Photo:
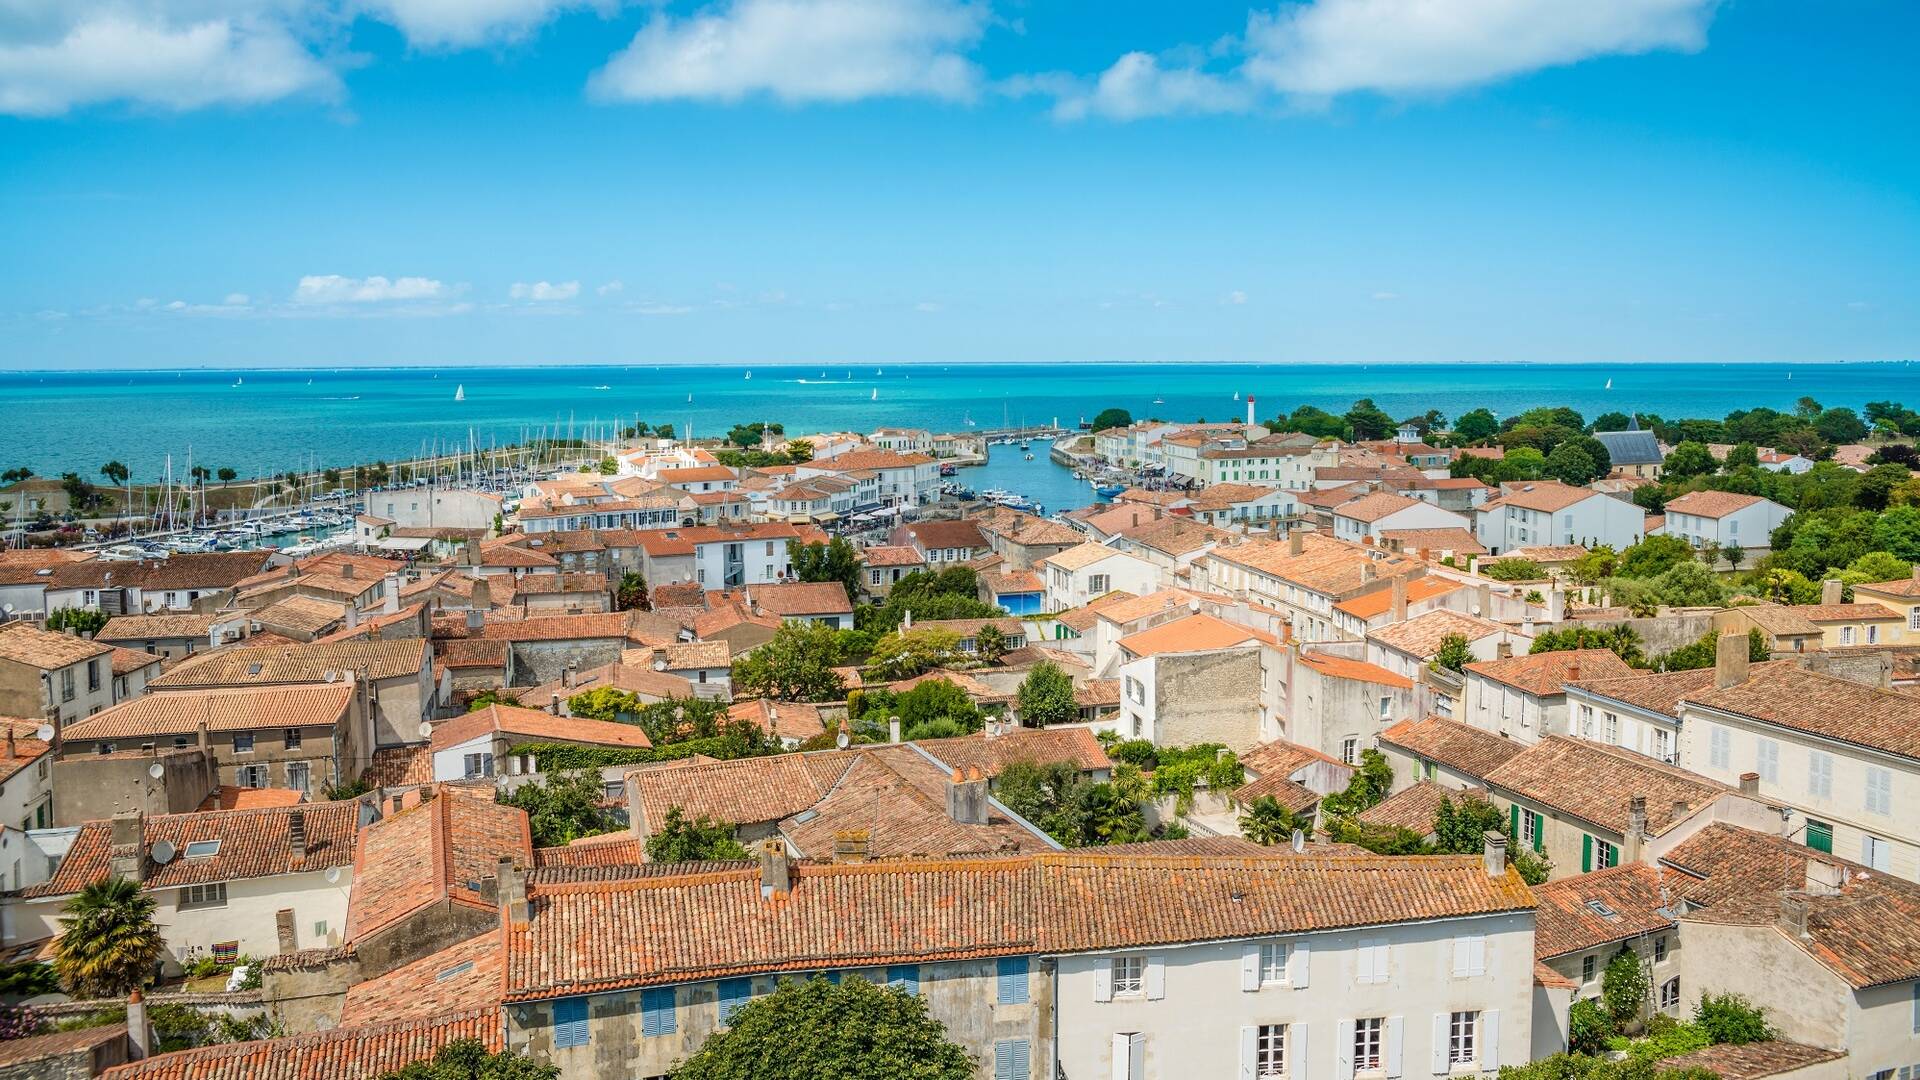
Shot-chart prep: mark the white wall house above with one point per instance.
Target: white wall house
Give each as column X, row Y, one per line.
column 1541, row 513
column 435, row 508
column 1363, row 519
column 1080, row 574
column 1837, row 757
column 1725, row 519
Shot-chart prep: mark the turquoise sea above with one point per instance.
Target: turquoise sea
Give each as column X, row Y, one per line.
column 265, row 421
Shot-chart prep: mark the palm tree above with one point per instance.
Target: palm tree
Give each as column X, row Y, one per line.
column 1267, row 822
column 109, row 943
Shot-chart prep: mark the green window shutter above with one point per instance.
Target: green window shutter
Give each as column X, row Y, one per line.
column 1513, row 822
column 1820, row 836
column 1539, row 834
column 1586, row 854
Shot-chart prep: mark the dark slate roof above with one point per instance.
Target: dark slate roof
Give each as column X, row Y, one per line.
column 1630, row 447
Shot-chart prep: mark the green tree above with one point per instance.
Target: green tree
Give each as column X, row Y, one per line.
column 1569, row 464
column 1689, row 584
column 1840, row 425
column 1112, row 418
column 1878, row 566
column 1046, row 697
column 80, row 494
column 1688, row 459
column 469, row 1059
column 935, row 702
column 1878, row 484
column 835, row 560
column 1897, row 532
column 115, row 473
column 906, row 653
column 226, row 475
column 1460, row 825
column 488, row 698
column 108, row 944
column 1624, row 986
column 1267, row 822
column 1730, row 1018
column 1370, row 783
column 562, row 809
column 13, row 476
column 818, row 1030
column 1454, row 653
column 631, row 593
column 1309, row 420
column 1654, row 556
column 1512, row 569
column 1743, row 456
column 79, row 620
column 703, row 840
column 1475, row 426
column 796, row 664
column 989, row 643
column 1623, row 640
column 1611, row 421
column 1369, row 421
column 1588, row 1027
column 1701, row 653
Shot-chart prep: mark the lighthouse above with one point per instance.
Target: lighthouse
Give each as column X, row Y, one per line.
column 1250, row 420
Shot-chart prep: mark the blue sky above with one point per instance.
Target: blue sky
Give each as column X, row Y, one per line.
column 259, row 182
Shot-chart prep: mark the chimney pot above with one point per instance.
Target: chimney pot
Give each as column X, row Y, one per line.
column 1504, row 650
column 1749, row 783
column 139, row 1031
column 1730, row 661
column 776, row 876
column 1831, row 591
column 1493, row 854
column 1793, row 914
column 967, row 797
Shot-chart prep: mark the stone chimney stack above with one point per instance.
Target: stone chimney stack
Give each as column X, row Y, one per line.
column 1730, row 661
column 482, row 595
column 1493, row 856
column 139, row 1031
column 1296, row 541
column 893, row 729
column 513, row 894
column 1367, row 571
column 1793, row 914
column 776, row 876
column 1750, row 784
column 967, row 797
column 1504, row 650
column 1400, row 599
column 390, row 602
column 297, row 833
column 127, row 856
column 1831, row 591
column 1824, row 878
column 1636, row 828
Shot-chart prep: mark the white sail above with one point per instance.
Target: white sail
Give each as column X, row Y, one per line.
column 1609, row 384
column 876, row 394
column 460, row 392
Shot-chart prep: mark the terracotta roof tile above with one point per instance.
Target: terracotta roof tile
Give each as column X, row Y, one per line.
column 24, row 643
column 1325, row 565
column 601, row 933
column 1817, row 704
column 1856, row 612
column 1369, row 508
column 1752, row 1061
column 1341, row 667
column 1659, row 691
column 171, row 625
column 457, row 979
column 33, row 1048
column 898, row 797
column 781, row 719
column 538, row 726
column 1545, row 674
column 1380, row 601
column 1630, row 901
column 1461, row 747
column 609, row 849
column 1040, row 745
column 1413, row 808
column 401, row 766
column 1594, row 783
column 790, row 599
column 1711, row 504
column 746, row 791
column 1193, row 633
column 1543, row 495
column 892, row 555
column 436, row 850
column 253, row 843
column 1081, row 619
column 307, row 614
column 397, row 658
column 349, row 1053
column 181, row 712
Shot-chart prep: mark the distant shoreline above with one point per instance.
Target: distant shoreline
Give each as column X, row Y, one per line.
column 844, row 364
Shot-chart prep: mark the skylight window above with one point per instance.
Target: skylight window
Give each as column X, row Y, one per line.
column 460, row 968
column 201, row 849
column 253, row 669
column 1600, row 908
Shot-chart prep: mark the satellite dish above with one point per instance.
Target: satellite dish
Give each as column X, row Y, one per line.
column 841, row 740
column 156, row 770
column 163, row 852
column 8, row 608
column 330, row 676
column 660, row 664
column 44, row 733
column 333, row 874
column 426, row 729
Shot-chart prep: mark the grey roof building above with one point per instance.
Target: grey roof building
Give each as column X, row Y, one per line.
column 1632, row 447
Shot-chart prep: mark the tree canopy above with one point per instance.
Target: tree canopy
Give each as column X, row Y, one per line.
column 700, row 840
column 820, row 1030
column 562, row 808
column 1112, row 418
column 1046, row 697
column 796, row 664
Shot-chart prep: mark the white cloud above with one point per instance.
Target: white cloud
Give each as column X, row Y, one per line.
column 801, row 51
column 926, row 306
column 544, row 292
column 461, row 23
column 1420, row 46
column 1236, row 297
column 64, row 54
column 334, row 289
column 1137, row 86
column 651, row 308
column 610, row 288
column 1383, row 297
column 237, row 299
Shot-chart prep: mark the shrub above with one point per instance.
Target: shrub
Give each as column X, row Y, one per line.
column 1588, row 1027
column 1730, row 1018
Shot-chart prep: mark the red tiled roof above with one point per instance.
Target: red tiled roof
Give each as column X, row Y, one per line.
column 253, row 844
column 1380, row 601
column 455, row 979
column 537, row 725
column 1752, row 1061
column 1193, row 633
column 400, row 766
column 1414, row 808
column 790, row 598
column 1421, row 635
column 781, row 719
column 1546, row 674
column 179, row 712
column 1461, row 747
column 892, row 555
column 1340, row 667
column 604, row 934
column 608, row 849
column 1543, row 495
column 1040, row 745
column 1594, row 783
column 1711, row 504
column 1567, row 922
column 1818, row 704
column 436, row 850
column 349, row 1053
column 1369, row 508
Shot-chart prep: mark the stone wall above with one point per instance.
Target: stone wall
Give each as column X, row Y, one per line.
column 1208, row 697
column 536, row 663
column 95, row 788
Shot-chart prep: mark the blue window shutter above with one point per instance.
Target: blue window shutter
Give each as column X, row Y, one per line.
column 570, row 1022
column 906, row 977
column 1013, row 980
column 733, row 994
column 656, row 1016
column 1012, row 1060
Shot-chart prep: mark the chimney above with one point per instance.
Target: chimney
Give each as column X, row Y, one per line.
column 201, row 738
column 554, row 705
column 1504, row 650
column 893, row 729
column 346, row 571
column 1493, row 856
column 566, row 676
column 1793, row 914
column 967, row 797
column 482, row 595
column 1367, row 572
column 1824, row 878
column 390, row 603
column 1681, row 808
column 850, row 846
column 352, row 616
column 512, row 884
column 906, row 620
column 476, row 619
column 1298, row 841
column 1296, row 542
column 776, row 877
column 139, row 1032
column 1831, row 591
column 297, row 834
column 11, row 753
column 127, row 857
column 1636, row 828
column 1916, row 571
column 1750, row 783
column 1573, row 672
column 1482, row 601
column 471, row 556
column 1730, row 661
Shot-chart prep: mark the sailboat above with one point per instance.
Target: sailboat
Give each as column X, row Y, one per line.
column 749, row 374
column 237, row 380
column 1609, row 384
column 969, row 419
column 1236, row 395
column 689, row 399
column 460, row 392
column 876, row 394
